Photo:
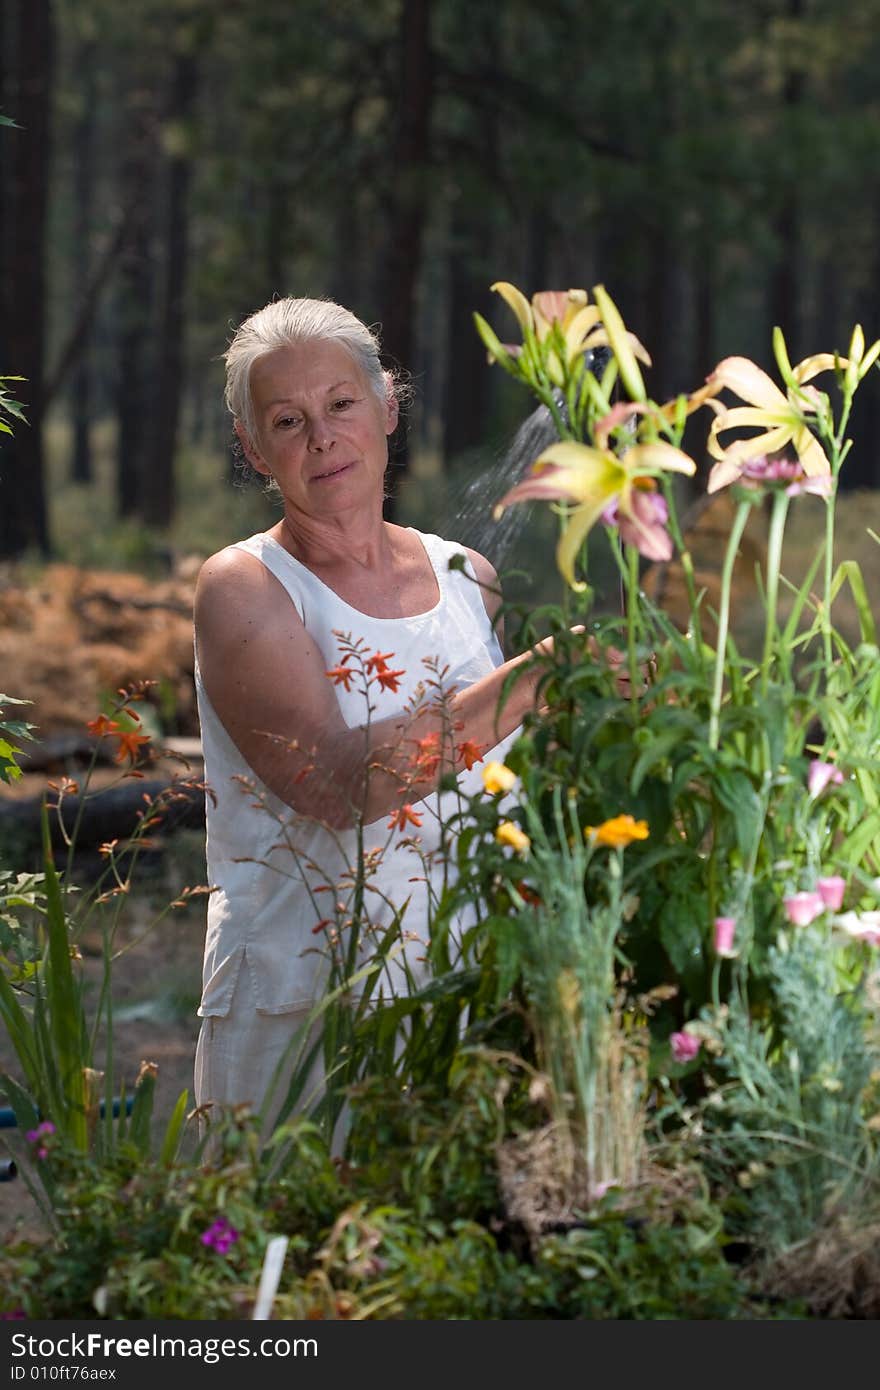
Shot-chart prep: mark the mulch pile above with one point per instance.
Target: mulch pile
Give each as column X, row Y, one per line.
column 71, row 639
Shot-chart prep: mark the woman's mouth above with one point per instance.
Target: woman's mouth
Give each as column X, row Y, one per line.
column 333, row 472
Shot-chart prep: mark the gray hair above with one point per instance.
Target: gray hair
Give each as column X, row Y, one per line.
column 285, row 323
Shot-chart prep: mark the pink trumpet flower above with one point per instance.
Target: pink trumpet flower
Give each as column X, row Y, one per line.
column 821, row 775
column 725, row 931
column 803, row 908
column 831, row 891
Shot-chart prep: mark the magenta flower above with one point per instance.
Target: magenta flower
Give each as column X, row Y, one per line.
column 802, row 908
column 684, row 1046
column 820, row 775
column 831, row 891
column 36, row 1136
column 219, row 1236
column 725, row 931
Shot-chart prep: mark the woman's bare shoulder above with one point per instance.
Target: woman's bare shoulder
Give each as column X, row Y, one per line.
column 233, row 581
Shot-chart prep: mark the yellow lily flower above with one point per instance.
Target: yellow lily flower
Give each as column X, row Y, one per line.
column 780, row 417
column 618, row 832
column 582, row 326
column 596, row 479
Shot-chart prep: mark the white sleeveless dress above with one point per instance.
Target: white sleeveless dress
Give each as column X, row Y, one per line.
column 263, row 962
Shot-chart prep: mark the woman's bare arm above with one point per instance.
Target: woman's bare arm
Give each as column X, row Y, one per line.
column 266, row 680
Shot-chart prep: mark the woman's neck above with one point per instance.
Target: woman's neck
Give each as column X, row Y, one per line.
column 363, row 542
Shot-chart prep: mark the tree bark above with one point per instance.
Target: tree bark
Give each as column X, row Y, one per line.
column 23, row 515
column 158, row 491
column 83, row 195
column 408, row 200
column 135, row 297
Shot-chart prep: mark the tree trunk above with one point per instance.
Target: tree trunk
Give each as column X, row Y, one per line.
column 83, row 193
column 134, row 299
column 158, row 496
column 784, row 296
column 29, row 34
column 407, row 202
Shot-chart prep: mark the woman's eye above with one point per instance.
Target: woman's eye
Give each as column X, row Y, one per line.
column 343, row 403
column 286, row 421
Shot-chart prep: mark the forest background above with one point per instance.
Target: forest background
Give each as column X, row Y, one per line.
column 180, row 162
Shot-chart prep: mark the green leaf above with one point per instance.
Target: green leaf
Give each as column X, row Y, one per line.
column 171, row 1139
column 66, row 1024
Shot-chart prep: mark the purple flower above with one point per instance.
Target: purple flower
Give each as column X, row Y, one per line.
column 684, row 1046
column 831, row 891
column 820, row 775
column 725, row 931
column 35, row 1136
column 802, row 908
column 219, row 1236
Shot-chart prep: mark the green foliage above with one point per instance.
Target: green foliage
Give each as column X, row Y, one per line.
column 11, row 729
column 783, row 1134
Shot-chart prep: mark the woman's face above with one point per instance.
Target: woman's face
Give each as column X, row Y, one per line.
column 321, row 432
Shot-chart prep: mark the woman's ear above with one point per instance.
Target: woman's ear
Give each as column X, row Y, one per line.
column 252, row 455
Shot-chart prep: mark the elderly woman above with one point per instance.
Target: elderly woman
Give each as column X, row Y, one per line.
column 321, row 645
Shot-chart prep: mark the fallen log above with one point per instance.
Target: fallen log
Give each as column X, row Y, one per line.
column 114, row 813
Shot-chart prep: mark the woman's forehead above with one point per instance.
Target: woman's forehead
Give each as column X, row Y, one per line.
column 303, row 369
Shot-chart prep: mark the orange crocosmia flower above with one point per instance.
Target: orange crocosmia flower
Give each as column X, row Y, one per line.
column 471, row 752
column 379, row 660
column 129, row 743
column 389, row 680
column 102, row 726
column 340, row 675
column 400, row 818
column 618, row 832
column 427, row 757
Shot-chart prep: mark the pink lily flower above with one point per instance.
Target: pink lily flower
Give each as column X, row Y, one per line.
column 803, row 908
column 644, row 526
column 831, row 891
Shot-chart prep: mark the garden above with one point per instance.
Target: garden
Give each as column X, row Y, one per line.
column 638, row 1073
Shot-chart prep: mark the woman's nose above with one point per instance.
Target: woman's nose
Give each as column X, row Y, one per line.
column 320, row 439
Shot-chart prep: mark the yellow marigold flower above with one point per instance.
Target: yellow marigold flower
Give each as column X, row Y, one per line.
column 497, row 777
column 510, row 834
column 618, row 832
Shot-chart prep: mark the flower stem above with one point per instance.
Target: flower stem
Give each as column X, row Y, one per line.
column 781, row 502
column 632, row 612
column 739, row 523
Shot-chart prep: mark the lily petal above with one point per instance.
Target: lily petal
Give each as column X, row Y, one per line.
column 736, row 416
column 749, row 448
column 746, row 379
column 810, row 452
column 576, row 330
column 582, row 520
column 548, row 307
column 517, row 301
column 659, row 457
column 819, row 362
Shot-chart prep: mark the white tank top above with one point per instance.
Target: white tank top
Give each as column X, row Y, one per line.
column 266, row 861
